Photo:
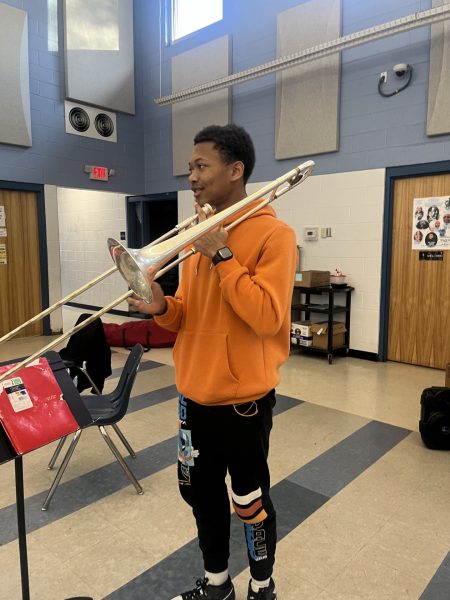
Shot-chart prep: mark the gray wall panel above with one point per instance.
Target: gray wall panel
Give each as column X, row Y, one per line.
column 99, row 53
column 204, row 63
column 374, row 132
column 15, row 117
column 55, row 157
column 307, row 105
column 438, row 113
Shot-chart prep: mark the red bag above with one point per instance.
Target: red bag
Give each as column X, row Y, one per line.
column 146, row 332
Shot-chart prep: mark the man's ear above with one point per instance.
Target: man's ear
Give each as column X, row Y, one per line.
column 237, row 170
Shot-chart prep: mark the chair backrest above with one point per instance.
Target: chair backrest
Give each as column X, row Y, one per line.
column 120, row 397
column 89, row 349
column 81, row 341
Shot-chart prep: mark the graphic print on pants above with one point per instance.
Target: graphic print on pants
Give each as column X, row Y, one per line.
column 186, row 452
column 256, row 540
column 214, row 440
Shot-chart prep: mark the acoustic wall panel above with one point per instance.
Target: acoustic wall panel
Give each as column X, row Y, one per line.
column 203, row 63
column 15, row 114
column 99, row 55
column 438, row 117
column 307, row 105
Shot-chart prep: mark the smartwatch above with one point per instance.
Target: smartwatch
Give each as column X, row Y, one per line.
column 222, row 254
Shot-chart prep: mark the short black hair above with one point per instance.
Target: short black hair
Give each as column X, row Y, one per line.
column 232, row 142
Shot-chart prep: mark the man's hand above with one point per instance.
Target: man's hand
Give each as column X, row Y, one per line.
column 212, row 241
column 157, row 307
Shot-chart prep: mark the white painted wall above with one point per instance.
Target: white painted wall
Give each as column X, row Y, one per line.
column 86, row 220
column 352, row 205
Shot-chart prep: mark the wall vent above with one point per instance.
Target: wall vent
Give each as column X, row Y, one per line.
column 89, row 121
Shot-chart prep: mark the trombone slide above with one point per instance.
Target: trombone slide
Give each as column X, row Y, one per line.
column 140, row 267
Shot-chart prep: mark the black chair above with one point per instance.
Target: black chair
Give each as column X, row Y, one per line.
column 106, row 409
column 87, row 357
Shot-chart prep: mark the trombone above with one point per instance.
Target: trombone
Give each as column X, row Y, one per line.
column 141, row 267
column 207, row 210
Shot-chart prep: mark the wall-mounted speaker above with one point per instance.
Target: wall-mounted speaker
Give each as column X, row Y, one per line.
column 91, row 122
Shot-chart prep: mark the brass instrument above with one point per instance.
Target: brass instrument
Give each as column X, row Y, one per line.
column 141, row 267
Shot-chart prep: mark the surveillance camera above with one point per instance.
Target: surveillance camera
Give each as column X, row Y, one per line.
column 401, row 69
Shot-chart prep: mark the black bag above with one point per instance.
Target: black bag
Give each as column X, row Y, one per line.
column 434, row 424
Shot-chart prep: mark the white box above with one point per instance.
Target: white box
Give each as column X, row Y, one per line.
column 302, row 328
column 301, row 333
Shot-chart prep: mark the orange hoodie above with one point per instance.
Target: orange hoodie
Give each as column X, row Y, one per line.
column 233, row 320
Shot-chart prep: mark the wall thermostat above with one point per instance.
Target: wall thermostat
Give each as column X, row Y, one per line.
column 311, row 233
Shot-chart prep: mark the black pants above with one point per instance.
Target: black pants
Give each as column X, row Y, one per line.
column 212, row 441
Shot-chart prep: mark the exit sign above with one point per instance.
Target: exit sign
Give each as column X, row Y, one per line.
column 97, row 173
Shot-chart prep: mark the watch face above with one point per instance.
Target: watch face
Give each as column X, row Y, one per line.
column 222, row 254
column 225, row 253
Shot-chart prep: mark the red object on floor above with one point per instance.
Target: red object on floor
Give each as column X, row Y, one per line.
column 146, row 332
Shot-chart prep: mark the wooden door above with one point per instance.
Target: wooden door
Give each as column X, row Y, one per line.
column 419, row 297
column 20, row 277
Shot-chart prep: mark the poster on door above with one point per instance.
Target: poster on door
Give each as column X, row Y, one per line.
column 431, row 223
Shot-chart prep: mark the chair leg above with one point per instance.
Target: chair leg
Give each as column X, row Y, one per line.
column 61, row 469
column 124, row 440
column 120, row 460
column 119, row 433
column 58, row 449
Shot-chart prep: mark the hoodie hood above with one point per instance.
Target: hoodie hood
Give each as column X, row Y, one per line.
column 266, row 211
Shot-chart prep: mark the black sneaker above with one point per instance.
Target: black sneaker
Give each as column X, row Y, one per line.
column 212, row 592
column 267, row 593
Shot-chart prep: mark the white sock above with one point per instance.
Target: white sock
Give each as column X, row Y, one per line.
column 257, row 585
column 217, row 578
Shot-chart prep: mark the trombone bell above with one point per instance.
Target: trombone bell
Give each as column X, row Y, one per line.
column 132, row 266
column 136, row 268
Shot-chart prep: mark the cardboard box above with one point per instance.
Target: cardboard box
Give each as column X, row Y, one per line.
column 447, row 376
column 320, row 335
column 305, row 340
column 300, row 340
column 301, row 328
column 314, row 279
column 301, row 333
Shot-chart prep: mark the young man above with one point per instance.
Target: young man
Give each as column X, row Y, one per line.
column 232, row 315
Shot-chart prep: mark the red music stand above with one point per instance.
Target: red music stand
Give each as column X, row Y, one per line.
column 49, row 420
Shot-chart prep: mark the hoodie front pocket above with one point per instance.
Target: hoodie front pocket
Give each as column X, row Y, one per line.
column 202, row 367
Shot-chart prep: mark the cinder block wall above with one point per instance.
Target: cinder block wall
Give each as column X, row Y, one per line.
column 57, row 158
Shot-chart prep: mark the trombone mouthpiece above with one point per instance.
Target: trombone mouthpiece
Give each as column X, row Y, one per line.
column 127, row 263
column 208, row 209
